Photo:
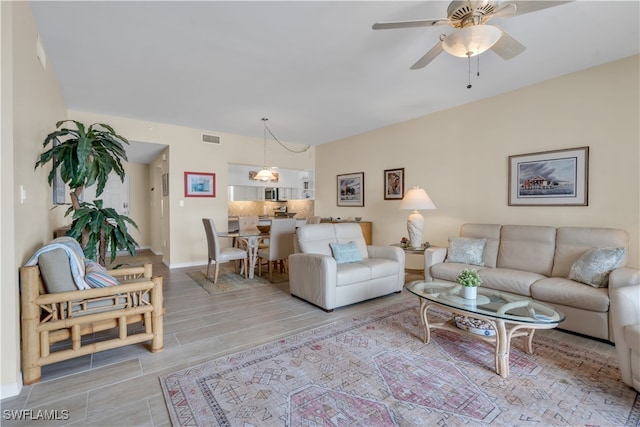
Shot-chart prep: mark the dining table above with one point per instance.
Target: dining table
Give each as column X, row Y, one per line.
column 252, row 237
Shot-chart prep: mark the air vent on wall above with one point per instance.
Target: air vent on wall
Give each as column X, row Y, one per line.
column 210, row 139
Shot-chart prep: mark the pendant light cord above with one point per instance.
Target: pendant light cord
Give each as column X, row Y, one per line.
column 266, row 129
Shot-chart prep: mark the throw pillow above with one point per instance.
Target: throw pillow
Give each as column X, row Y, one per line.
column 96, row 275
column 466, row 250
column 345, row 252
column 594, row 266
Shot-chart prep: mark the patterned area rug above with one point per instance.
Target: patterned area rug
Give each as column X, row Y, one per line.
column 374, row 370
column 228, row 280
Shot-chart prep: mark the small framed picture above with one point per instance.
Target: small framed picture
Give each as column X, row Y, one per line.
column 550, row 178
column 199, row 184
column 351, row 189
column 165, row 184
column 59, row 188
column 394, row 184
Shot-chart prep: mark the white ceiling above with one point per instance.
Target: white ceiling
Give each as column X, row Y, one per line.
column 316, row 69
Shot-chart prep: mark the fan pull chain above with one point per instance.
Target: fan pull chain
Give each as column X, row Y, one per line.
column 478, row 72
column 469, row 61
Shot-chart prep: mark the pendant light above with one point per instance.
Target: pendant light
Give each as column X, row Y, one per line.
column 265, row 174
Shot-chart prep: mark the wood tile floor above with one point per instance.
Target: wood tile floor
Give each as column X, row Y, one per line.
column 120, row 387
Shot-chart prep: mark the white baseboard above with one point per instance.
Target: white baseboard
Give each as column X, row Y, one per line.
column 13, row 389
column 185, row 264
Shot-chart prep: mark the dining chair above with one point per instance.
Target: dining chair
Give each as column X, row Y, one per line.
column 219, row 255
column 280, row 247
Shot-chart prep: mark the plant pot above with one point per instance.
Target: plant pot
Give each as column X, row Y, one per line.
column 469, row 292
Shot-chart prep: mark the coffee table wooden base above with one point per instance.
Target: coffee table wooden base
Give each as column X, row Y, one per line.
column 501, row 341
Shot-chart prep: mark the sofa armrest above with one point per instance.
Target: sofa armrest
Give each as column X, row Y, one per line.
column 432, row 256
column 388, row 252
column 624, row 312
column 313, row 277
column 621, row 277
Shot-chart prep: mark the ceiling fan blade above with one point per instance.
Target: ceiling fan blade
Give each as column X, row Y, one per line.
column 506, row 10
column 409, row 24
column 528, row 6
column 428, row 57
column 507, row 47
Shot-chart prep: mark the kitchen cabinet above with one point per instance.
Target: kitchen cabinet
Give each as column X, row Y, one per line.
column 245, row 193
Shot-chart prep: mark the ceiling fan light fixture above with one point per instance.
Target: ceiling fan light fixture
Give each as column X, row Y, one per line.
column 471, row 41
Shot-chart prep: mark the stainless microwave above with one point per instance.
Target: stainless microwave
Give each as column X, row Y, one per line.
column 271, row 194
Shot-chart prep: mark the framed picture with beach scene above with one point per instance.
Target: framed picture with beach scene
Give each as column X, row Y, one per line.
column 550, row 178
column 199, row 184
column 351, row 189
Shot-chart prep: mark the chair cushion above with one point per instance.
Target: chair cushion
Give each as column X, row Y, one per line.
column 466, row 250
column 345, row 252
column 56, row 271
column 594, row 266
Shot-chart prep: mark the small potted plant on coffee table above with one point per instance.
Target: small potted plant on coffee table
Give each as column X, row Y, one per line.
column 470, row 280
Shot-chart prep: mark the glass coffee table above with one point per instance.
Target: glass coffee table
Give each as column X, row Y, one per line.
column 507, row 314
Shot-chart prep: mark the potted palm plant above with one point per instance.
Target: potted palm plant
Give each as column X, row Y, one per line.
column 84, row 156
column 470, row 280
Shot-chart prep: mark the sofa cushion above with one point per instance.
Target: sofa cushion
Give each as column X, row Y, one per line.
column 527, row 248
column 382, row 267
column 594, row 266
column 353, row 272
column 509, row 280
column 56, row 271
column 491, row 233
column 573, row 242
column 557, row 290
column 316, row 238
column 345, row 252
column 448, row 271
column 466, row 250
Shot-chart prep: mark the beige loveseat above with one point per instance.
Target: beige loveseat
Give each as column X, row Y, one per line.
column 536, row 261
column 317, row 275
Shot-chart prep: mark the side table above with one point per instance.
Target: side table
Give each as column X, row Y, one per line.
column 412, row 251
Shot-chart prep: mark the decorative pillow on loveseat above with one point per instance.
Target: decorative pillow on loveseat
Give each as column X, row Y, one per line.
column 466, row 250
column 345, row 252
column 594, row 266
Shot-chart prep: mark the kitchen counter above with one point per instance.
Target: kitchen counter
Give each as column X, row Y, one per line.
column 262, row 220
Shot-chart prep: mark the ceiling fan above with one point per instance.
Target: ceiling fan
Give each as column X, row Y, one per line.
column 472, row 35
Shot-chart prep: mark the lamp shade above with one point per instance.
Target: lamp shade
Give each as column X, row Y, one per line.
column 416, row 199
column 265, row 175
column 471, row 41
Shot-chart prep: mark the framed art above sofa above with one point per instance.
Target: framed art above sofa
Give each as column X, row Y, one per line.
column 550, row 178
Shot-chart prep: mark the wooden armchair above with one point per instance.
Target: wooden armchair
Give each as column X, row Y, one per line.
column 48, row 318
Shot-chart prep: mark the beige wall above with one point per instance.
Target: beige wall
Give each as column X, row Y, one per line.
column 460, row 157
column 31, row 105
column 188, row 154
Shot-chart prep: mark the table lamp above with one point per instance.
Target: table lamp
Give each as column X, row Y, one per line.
column 416, row 199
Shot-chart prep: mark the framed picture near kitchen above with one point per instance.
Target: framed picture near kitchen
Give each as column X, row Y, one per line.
column 350, row 189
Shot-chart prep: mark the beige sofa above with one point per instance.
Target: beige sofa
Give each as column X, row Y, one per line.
column 536, row 261
column 625, row 316
column 316, row 274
